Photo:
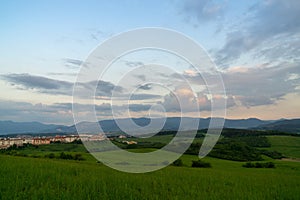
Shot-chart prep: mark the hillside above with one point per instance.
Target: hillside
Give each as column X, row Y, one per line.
column 171, row 124
column 287, row 125
column 10, row 127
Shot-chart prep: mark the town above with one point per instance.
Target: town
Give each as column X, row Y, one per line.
column 21, row 140
column 6, row 142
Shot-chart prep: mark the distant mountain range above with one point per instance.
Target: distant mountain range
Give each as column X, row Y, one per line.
column 288, row 125
column 10, row 127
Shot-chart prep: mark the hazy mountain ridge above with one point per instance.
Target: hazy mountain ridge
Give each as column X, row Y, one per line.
column 286, row 125
column 10, row 127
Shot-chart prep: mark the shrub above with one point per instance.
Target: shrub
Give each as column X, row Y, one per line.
column 199, row 163
column 78, row 141
column 269, row 165
column 50, row 155
column 259, row 165
column 272, row 154
column 177, row 162
column 78, row 157
column 248, row 165
column 66, row 156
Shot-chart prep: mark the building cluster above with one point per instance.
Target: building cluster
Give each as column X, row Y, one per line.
column 6, row 142
column 92, row 137
column 20, row 141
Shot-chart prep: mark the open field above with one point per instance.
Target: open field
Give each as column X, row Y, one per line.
column 29, row 173
column 38, row 178
column 288, row 146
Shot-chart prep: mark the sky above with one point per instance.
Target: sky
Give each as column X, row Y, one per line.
column 255, row 46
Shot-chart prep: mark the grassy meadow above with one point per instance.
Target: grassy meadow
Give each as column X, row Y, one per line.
column 29, row 173
column 289, row 146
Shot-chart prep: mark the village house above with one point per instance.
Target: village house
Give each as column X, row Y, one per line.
column 39, row 141
column 7, row 142
column 129, row 142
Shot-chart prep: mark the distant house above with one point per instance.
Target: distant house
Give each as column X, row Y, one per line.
column 39, row 141
column 92, row 137
column 58, row 138
column 7, row 142
column 16, row 141
column 71, row 138
column 27, row 140
column 65, row 139
column 4, row 143
column 129, row 142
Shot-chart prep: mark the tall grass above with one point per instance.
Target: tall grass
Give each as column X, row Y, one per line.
column 38, row 178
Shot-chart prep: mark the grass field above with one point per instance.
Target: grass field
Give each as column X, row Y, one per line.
column 37, row 178
column 289, row 146
column 45, row 178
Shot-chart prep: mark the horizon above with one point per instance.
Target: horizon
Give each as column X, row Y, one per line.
column 271, row 120
column 45, row 46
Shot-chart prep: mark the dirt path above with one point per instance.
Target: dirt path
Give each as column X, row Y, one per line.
column 291, row 159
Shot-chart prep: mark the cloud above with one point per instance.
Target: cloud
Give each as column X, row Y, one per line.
column 61, row 113
column 147, row 86
column 262, row 85
column 133, row 63
column 139, row 107
column 73, row 63
column 190, row 102
column 182, row 99
column 258, row 85
column 204, row 10
column 38, row 83
column 52, row 86
column 142, row 96
column 61, row 74
column 23, row 111
column 270, row 32
column 104, row 88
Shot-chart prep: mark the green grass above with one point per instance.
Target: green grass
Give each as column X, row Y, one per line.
column 38, row 178
column 165, row 139
column 289, row 146
column 45, row 178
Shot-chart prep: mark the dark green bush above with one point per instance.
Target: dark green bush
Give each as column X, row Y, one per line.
column 177, row 162
column 272, row 154
column 66, row 156
column 50, row 155
column 259, row 165
column 248, row 165
column 269, row 165
column 78, row 157
column 199, row 163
